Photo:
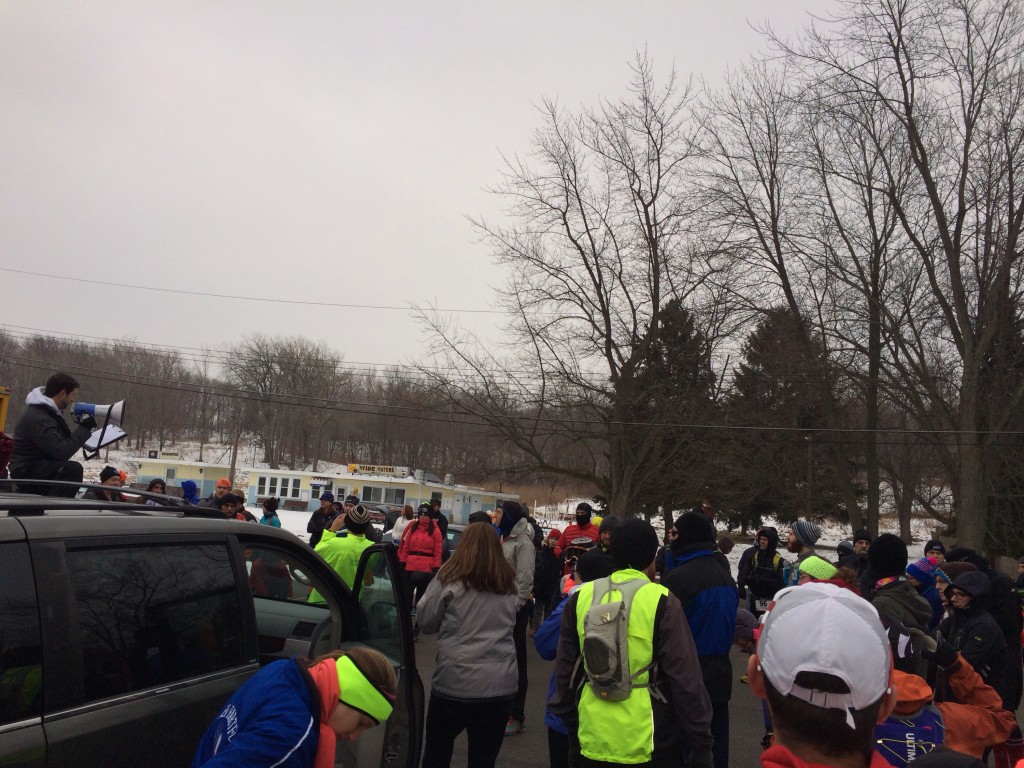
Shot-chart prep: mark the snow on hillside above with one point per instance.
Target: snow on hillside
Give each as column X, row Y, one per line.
column 549, row 516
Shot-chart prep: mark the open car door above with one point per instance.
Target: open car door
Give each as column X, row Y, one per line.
column 385, row 626
column 294, row 620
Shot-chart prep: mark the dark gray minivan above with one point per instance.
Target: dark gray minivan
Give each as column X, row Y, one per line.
column 124, row 629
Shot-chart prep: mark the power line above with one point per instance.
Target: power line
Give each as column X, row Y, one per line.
column 223, row 357
column 263, row 299
column 819, row 436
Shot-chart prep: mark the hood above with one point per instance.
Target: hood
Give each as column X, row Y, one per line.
column 189, row 488
column 977, row 585
column 36, row 397
column 773, row 537
column 521, row 527
column 912, row 693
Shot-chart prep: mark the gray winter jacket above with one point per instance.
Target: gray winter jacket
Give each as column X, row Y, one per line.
column 42, row 438
column 521, row 555
column 476, row 658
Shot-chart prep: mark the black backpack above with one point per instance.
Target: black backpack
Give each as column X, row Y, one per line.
column 765, row 578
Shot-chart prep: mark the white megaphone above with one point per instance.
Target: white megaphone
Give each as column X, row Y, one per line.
column 109, row 418
column 104, row 414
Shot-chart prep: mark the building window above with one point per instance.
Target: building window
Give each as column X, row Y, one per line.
column 171, row 474
column 273, row 486
column 295, row 487
column 394, row 495
column 373, row 493
column 261, row 487
column 435, row 495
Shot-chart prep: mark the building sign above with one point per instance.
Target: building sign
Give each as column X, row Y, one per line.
column 377, row 469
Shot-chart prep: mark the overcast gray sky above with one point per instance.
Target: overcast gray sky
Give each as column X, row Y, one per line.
column 311, row 151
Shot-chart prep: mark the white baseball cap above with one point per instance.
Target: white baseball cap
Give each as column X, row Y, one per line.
column 824, row 628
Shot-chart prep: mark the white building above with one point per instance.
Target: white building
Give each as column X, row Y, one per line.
column 300, row 490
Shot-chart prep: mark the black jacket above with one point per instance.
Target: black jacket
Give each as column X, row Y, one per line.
column 43, row 441
column 977, row 636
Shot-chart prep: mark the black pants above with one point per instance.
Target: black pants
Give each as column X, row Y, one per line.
column 418, row 581
column 720, row 732
column 70, row 471
column 519, row 638
column 483, row 721
column 558, row 749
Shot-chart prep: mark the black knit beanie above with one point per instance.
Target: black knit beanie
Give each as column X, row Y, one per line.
column 634, row 545
column 693, row 528
column 594, row 564
column 887, row 556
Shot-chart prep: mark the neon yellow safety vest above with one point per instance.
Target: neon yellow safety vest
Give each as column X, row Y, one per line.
column 621, row 731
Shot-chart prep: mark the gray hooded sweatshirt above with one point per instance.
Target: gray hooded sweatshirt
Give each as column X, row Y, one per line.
column 521, row 555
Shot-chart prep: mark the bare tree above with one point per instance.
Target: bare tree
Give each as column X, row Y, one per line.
column 597, row 248
column 760, row 206
column 948, row 77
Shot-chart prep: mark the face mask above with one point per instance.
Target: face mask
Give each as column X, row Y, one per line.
column 582, row 520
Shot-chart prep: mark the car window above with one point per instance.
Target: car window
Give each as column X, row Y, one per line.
column 276, row 575
column 152, row 615
column 21, row 677
column 291, row 619
column 378, row 608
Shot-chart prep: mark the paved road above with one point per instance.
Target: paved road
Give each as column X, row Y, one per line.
column 530, row 749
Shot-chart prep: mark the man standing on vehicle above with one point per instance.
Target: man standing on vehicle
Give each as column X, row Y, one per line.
column 642, row 727
column 43, row 442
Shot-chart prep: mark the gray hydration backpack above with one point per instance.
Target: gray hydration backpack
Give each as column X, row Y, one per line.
column 605, row 655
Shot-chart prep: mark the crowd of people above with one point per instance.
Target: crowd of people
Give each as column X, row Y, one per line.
column 862, row 657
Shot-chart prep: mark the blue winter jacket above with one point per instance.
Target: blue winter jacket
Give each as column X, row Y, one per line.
column 709, row 599
column 545, row 640
column 270, row 720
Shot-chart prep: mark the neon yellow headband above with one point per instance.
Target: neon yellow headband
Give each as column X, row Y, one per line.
column 357, row 692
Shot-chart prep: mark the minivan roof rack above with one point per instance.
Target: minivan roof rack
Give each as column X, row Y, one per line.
column 20, row 502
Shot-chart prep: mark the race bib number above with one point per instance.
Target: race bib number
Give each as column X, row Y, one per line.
column 761, row 604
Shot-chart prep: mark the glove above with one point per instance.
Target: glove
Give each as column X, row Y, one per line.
column 945, row 655
column 88, row 422
column 701, row 758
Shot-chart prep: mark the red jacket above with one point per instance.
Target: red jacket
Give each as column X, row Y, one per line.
column 420, row 549
column 777, row 756
column 573, row 531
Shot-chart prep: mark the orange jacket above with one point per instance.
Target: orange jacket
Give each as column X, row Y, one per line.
column 978, row 722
